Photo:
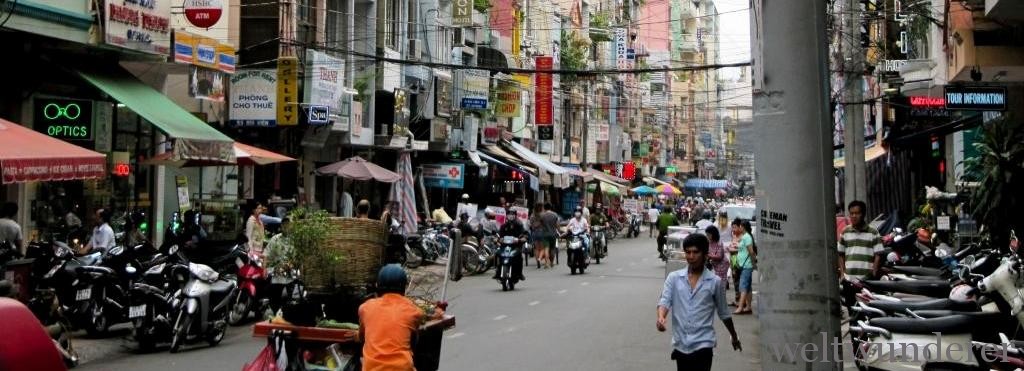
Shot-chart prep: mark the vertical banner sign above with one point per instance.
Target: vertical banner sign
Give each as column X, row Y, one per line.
column 544, row 93
column 183, row 200
column 508, row 99
column 287, row 91
column 462, row 13
column 621, row 51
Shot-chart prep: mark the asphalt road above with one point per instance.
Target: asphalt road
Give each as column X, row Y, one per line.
column 602, row 320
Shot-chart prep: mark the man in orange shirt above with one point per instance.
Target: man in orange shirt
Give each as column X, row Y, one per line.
column 388, row 324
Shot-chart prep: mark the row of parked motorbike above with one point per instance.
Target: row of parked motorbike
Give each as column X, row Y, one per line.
column 170, row 295
column 973, row 298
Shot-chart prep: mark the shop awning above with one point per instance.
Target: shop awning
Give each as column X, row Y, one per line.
column 534, row 158
column 598, row 174
column 245, row 155
column 193, row 138
column 475, row 157
column 27, row 155
column 870, row 153
column 500, row 157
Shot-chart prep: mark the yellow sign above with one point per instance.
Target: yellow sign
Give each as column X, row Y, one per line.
column 204, row 52
column 287, row 91
column 507, row 104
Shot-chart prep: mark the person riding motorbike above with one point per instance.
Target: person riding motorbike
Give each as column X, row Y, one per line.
column 578, row 225
column 466, row 227
column 512, row 227
column 598, row 218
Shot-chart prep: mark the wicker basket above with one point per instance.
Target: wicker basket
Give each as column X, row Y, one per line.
column 361, row 243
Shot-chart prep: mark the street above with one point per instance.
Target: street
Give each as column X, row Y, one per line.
column 602, row 320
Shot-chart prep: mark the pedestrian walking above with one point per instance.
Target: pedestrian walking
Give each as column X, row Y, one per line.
column 539, row 237
column 692, row 296
column 859, row 245
column 652, row 219
column 717, row 255
column 550, row 220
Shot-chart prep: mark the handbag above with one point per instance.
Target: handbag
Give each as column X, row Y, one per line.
column 264, row 361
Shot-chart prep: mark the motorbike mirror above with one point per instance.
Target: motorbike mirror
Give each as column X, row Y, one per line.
column 130, row 269
column 173, row 250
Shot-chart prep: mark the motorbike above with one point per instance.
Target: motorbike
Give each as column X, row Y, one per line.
column 45, row 306
column 252, row 286
column 201, row 307
column 576, row 258
column 634, row 225
column 599, row 244
column 509, row 250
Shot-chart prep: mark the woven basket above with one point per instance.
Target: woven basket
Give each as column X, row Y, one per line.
column 361, row 244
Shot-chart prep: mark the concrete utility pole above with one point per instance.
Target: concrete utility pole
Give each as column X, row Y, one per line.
column 795, row 217
column 853, row 111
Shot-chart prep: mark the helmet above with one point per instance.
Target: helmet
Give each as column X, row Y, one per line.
column 465, row 196
column 392, row 278
column 598, row 205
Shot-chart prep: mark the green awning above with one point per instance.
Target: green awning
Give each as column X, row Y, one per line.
column 193, row 139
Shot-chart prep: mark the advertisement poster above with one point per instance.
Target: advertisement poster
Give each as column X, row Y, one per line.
column 205, row 84
column 469, row 209
column 143, row 26
column 183, row 200
column 508, row 95
column 253, row 98
column 522, row 213
column 325, row 77
column 544, row 92
column 499, row 214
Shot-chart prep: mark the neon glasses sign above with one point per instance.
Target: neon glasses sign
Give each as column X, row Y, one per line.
column 66, row 119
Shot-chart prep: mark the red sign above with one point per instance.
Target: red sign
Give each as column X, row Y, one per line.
column 628, row 171
column 52, row 169
column 203, row 13
column 928, row 101
column 543, row 92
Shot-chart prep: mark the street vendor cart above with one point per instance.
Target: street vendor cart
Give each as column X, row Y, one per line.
column 342, row 347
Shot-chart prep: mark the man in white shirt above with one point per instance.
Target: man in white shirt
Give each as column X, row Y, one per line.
column 705, row 221
column 102, row 235
column 652, row 219
column 10, row 231
column 579, row 224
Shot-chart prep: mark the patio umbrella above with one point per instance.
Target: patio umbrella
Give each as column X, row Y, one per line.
column 403, row 192
column 668, row 190
column 245, row 155
column 357, row 168
column 611, row 191
column 644, row 190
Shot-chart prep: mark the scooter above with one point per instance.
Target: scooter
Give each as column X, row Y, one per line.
column 634, row 225
column 576, row 258
column 599, row 244
column 252, row 286
column 509, row 250
column 200, row 308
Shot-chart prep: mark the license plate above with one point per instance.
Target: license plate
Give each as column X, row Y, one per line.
column 137, row 311
column 83, row 294
column 9, row 276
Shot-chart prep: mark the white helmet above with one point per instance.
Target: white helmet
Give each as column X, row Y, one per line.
column 465, row 196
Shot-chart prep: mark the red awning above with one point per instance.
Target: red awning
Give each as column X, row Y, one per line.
column 26, row 155
column 245, row 155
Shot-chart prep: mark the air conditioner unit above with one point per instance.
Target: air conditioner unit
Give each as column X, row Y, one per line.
column 415, row 50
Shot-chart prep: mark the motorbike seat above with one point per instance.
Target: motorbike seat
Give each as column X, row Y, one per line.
column 222, row 287
column 94, row 269
column 987, row 316
column 955, row 324
column 934, row 304
column 936, row 288
column 147, row 289
column 89, row 259
column 920, row 271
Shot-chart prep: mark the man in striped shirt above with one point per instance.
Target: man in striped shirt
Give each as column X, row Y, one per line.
column 859, row 245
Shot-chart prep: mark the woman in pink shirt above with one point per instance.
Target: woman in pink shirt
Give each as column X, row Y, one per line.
column 717, row 256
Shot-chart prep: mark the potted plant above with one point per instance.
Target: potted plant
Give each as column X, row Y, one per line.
column 999, row 171
column 308, row 234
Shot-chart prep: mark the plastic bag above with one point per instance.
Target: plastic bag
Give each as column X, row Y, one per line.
column 265, row 361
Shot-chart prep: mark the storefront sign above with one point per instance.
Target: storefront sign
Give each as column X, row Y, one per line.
column 204, row 52
column 205, row 84
column 141, row 25
column 184, row 202
column 65, row 119
column 476, row 85
column 491, row 133
column 253, row 98
column 621, row 51
column 121, row 166
column 203, row 13
column 975, row 98
column 602, row 132
column 444, row 175
column 543, row 95
column 443, row 96
column 462, row 13
column 507, row 102
column 287, row 91
column 318, row 115
column 325, row 80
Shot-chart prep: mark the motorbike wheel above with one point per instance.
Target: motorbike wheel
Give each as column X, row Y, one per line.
column 504, row 286
column 181, row 326
column 219, row 333
column 240, row 308
column 511, row 286
column 415, row 260
column 471, row 262
column 572, row 271
column 98, row 323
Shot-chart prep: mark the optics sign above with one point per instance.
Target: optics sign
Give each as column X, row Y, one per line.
column 65, row 119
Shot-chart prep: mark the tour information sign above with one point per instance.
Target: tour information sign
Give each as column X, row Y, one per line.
column 975, row 98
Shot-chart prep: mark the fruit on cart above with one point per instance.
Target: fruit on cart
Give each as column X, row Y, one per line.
column 330, row 323
column 280, row 321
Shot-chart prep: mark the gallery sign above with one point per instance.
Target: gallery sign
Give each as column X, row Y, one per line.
column 975, row 98
column 141, row 25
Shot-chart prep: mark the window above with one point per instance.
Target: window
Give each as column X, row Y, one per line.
column 334, row 32
column 392, row 26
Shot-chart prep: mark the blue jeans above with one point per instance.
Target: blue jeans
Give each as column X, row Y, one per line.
column 746, row 279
